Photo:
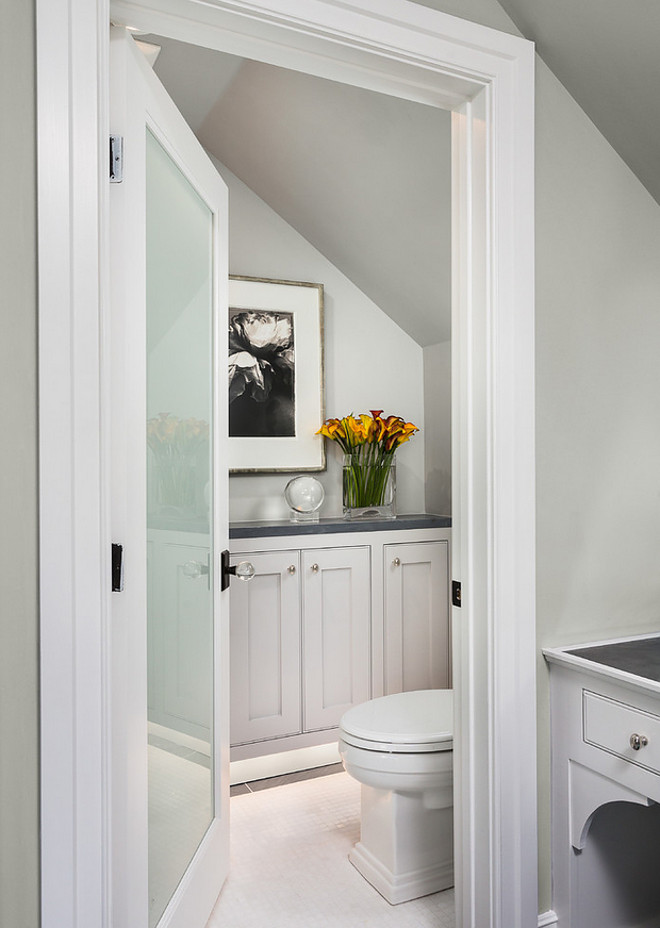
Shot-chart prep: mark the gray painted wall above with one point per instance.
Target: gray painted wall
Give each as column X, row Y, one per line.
column 19, row 806
column 386, row 375
column 437, row 419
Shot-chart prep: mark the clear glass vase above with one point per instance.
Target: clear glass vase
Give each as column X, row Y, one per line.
column 369, row 488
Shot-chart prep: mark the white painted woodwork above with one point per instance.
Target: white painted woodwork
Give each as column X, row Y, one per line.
column 393, row 47
column 181, row 643
column 594, row 711
column 265, row 649
column 336, row 632
column 609, row 724
column 416, row 620
column 139, row 103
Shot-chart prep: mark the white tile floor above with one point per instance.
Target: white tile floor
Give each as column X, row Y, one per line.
column 290, row 865
column 179, row 814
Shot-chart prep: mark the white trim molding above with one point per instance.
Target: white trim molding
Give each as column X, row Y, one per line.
column 546, row 919
column 74, row 553
column 394, row 47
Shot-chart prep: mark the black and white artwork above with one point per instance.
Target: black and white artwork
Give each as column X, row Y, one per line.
column 262, row 372
column 275, row 376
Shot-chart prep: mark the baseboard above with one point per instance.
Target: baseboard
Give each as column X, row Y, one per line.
column 546, row 919
column 274, row 765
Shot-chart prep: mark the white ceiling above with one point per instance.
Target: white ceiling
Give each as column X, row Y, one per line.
column 362, row 176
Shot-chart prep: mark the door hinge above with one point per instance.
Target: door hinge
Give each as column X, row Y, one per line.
column 117, row 568
column 116, row 159
column 455, row 593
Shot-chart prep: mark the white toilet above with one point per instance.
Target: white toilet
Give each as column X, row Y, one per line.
column 399, row 748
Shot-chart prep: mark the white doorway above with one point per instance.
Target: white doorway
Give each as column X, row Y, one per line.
column 486, row 78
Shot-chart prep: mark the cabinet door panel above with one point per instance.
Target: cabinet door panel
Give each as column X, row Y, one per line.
column 337, row 619
column 417, row 652
column 265, row 649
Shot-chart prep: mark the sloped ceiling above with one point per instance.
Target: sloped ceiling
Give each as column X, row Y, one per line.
column 607, row 55
column 362, row 176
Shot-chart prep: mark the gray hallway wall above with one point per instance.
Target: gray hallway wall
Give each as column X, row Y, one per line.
column 19, row 759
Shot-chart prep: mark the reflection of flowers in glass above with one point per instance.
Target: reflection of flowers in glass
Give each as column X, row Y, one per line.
column 260, row 353
column 369, row 444
column 180, row 450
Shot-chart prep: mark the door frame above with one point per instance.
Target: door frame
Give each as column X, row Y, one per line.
column 487, row 79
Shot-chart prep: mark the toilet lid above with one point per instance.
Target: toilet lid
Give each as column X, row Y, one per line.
column 418, row 721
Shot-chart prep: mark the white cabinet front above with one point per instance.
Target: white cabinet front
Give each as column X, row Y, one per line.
column 337, row 613
column 417, row 647
column 265, row 649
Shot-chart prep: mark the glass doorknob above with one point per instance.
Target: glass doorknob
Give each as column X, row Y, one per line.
column 193, row 570
column 244, row 571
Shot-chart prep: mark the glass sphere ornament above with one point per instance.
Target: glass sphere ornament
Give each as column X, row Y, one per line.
column 304, row 497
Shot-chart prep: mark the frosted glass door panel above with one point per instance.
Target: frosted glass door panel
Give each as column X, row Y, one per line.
column 179, row 242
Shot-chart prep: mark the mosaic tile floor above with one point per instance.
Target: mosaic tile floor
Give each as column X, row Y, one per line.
column 290, row 865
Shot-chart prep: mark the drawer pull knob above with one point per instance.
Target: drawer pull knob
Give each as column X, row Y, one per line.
column 396, row 562
column 315, row 568
column 638, row 741
column 292, row 568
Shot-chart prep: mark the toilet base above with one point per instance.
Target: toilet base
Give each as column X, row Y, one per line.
column 406, row 849
column 402, row 887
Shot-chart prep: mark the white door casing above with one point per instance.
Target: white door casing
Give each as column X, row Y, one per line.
column 391, row 46
column 139, row 103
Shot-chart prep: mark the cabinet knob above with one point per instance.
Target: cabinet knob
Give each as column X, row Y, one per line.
column 396, row 562
column 638, row 741
column 315, row 568
column 291, row 568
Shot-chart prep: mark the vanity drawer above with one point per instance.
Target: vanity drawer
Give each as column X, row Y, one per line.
column 610, row 725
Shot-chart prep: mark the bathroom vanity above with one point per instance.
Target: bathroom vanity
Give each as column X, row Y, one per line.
column 605, row 717
column 338, row 612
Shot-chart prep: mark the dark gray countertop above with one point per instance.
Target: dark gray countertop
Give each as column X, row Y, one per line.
column 336, row 525
column 640, row 656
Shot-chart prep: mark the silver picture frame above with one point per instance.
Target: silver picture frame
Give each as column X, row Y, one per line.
column 276, row 376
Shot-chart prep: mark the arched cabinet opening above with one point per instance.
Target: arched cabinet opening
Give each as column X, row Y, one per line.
column 617, row 882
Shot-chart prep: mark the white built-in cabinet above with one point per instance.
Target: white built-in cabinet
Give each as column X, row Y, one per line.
column 416, row 623
column 330, row 620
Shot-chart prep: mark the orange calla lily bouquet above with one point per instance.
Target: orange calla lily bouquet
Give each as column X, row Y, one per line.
column 369, row 444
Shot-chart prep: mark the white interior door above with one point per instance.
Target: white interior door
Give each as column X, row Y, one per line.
column 169, row 639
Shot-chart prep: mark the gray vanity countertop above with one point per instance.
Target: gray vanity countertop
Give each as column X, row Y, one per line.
column 635, row 661
column 336, row 525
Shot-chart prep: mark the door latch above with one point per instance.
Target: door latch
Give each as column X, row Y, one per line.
column 456, row 593
column 117, row 568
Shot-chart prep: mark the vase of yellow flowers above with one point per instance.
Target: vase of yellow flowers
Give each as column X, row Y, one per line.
column 369, row 444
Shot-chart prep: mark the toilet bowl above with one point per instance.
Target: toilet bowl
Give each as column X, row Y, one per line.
column 399, row 748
